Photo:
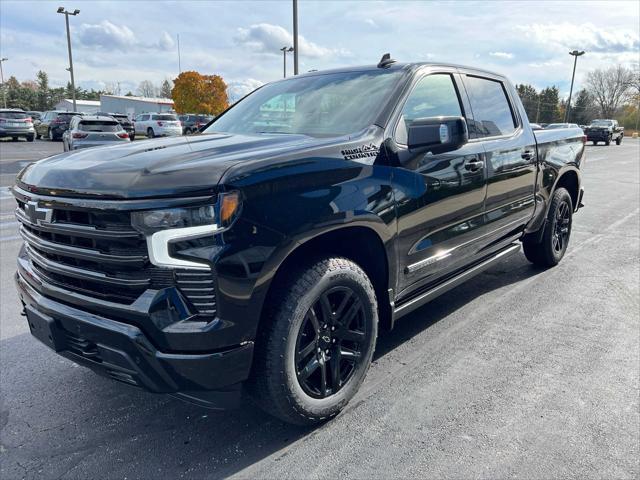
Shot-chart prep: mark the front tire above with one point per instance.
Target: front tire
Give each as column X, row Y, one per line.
column 618, row 140
column 150, row 133
column 316, row 348
column 607, row 142
column 30, row 138
column 557, row 232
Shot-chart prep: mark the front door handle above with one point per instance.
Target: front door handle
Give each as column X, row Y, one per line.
column 528, row 155
column 474, row 164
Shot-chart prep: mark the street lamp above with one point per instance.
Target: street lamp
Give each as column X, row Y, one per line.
column 4, row 90
column 295, row 37
column 73, row 83
column 575, row 55
column 284, row 51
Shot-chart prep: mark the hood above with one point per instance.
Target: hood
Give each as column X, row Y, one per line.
column 169, row 167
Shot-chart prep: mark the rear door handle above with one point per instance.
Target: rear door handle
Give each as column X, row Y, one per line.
column 528, row 155
column 474, row 164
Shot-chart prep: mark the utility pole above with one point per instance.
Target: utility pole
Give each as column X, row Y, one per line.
column 295, row 37
column 73, row 83
column 179, row 61
column 538, row 109
column 4, row 90
column 284, row 51
column 575, row 55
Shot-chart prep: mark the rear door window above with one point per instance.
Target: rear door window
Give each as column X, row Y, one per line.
column 492, row 113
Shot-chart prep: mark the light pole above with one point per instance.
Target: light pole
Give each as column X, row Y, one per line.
column 575, row 55
column 73, row 83
column 284, row 51
column 295, row 37
column 4, row 90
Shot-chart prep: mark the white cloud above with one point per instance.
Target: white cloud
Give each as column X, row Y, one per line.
column 505, row 55
column 268, row 38
column 585, row 36
column 106, row 35
column 109, row 36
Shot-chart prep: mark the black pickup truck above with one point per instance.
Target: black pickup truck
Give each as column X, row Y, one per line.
column 263, row 256
column 606, row 131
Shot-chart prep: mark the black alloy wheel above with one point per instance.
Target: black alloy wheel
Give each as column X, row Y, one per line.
column 316, row 342
column 562, row 227
column 330, row 342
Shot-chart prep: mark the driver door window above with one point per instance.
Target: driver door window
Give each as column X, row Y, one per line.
column 433, row 96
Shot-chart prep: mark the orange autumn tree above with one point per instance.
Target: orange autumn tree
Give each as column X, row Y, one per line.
column 196, row 93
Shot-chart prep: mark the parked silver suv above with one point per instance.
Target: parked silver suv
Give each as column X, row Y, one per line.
column 16, row 123
column 93, row 131
column 158, row 124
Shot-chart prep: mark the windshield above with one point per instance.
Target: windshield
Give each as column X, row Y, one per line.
column 15, row 115
column 99, row 126
column 169, row 118
column 601, row 123
column 318, row 105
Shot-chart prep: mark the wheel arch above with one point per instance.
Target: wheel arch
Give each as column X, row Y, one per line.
column 570, row 181
column 357, row 242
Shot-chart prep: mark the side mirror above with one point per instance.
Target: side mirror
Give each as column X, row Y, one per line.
column 438, row 134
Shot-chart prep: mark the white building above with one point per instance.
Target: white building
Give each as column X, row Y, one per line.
column 84, row 106
column 133, row 106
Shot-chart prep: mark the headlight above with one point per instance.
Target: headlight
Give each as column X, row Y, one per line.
column 169, row 231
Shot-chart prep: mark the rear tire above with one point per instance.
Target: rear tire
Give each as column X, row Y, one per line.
column 14, row 139
column 30, row 138
column 607, row 142
column 595, row 143
column 557, row 231
column 316, row 347
column 618, row 140
column 150, row 133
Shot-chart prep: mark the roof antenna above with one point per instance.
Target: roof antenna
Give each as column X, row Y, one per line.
column 386, row 61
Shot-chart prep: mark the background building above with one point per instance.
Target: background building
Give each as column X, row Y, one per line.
column 84, row 106
column 133, row 106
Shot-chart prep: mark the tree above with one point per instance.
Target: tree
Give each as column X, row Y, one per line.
column 610, row 88
column 583, row 109
column 146, row 89
column 196, row 93
column 43, row 91
column 529, row 97
column 165, row 89
column 549, row 100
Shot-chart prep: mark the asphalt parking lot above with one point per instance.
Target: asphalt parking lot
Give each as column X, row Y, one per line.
column 520, row 372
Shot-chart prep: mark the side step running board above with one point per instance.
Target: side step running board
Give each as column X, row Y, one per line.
column 438, row 290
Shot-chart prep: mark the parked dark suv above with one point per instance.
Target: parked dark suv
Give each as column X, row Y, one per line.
column 53, row 124
column 123, row 120
column 193, row 123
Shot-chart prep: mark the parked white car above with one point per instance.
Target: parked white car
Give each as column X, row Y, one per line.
column 157, row 125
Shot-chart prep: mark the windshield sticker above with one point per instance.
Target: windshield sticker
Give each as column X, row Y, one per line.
column 363, row 151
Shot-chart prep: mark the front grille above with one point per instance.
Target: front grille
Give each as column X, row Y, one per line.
column 99, row 254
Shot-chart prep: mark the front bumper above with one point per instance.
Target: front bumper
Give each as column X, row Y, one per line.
column 598, row 135
column 124, row 353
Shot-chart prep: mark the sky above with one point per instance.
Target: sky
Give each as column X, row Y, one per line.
column 125, row 42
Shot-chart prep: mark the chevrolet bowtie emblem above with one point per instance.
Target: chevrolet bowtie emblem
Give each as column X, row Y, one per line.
column 36, row 214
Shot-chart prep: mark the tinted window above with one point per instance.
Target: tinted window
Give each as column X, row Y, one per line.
column 13, row 115
column 491, row 110
column 167, row 118
column 433, row 96
column 99, row 126
column 144, row 117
